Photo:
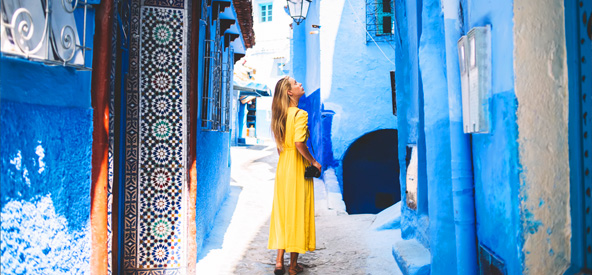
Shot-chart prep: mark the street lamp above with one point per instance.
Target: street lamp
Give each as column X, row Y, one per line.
column 298, row 9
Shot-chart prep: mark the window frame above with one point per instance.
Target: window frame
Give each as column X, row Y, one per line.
column 266, row 8
column 376, row 13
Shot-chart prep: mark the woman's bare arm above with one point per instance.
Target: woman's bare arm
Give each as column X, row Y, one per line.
column 303, row 149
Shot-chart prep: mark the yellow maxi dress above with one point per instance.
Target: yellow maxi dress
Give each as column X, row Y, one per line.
column 292, row 225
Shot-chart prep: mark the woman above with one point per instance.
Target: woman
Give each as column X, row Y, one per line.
column 292, row 226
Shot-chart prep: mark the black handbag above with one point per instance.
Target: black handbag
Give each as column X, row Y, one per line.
column 310, row 171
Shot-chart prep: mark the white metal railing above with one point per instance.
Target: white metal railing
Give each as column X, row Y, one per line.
column 44, row 31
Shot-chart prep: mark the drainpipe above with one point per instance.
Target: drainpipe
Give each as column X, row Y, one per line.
column 461, row 162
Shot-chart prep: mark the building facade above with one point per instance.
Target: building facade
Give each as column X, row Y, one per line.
column 117, row 169
column 344, row 62
column 509, row 199
column 492, row 181
column 263, row 65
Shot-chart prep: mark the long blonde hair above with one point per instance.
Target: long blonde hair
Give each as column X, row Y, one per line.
column 279, row 110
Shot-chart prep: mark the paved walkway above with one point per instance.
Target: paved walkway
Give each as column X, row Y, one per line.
column 238, row 242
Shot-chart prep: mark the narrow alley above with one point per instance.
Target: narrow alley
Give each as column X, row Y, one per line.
column 449, row 136
column 346, row 244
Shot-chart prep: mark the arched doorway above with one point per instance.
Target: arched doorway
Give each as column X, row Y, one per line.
column 371, row 173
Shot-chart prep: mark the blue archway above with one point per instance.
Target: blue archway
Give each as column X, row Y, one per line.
column 371, row 173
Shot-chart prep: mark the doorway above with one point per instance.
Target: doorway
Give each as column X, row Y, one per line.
column 371, row 173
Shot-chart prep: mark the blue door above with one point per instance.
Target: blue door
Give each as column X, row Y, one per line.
column 579, row 50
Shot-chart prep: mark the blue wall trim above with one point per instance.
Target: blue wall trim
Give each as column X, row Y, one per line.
column 36, row 83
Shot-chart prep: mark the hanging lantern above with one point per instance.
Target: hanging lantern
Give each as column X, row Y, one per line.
column 298, row 9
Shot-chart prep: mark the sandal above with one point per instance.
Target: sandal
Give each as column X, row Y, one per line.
column 299, row 269
column 279, row 270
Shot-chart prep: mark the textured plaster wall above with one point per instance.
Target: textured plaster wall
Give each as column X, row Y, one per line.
column 213, row 180
column 414, row 223
column 495, row 155
column 542, row 117
column 432, row 62
column 357, row 77
column 45, row 168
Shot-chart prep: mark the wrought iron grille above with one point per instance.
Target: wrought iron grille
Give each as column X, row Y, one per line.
column 212, row 92
column 380, row 20
column 217, row 80
column 206, row 99
column 45, row 33
column 227, row 71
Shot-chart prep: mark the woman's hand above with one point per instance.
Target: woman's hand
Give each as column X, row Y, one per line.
column 317, row 165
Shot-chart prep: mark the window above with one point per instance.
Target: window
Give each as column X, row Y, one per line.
column 217, row 84
column 278, row 67
column 48, row 36
column 266, row 10
column 380, row 20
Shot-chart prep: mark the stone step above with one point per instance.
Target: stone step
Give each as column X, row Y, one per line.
column 412, row 257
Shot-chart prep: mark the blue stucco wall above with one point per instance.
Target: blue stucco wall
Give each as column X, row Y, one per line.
column 45, row 172
column 432, row 62
column 495, row 155
column 414, row 223
column 213, row 180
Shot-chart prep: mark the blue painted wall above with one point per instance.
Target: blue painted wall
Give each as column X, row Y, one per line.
column 414, row 223
column 213, row 180
column 242, row 120
column 495, row 155
column 422, row 99
column 45, row 172
column 432, row 62
column 212, row 158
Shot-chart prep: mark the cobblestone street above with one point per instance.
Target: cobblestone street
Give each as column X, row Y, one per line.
column 238, row 242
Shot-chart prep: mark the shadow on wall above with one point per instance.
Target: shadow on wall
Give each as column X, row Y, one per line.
column 371, row 173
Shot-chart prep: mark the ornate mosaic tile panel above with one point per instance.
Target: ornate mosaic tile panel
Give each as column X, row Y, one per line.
column 165, row 3
column 162, row 121
column 131, row 143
